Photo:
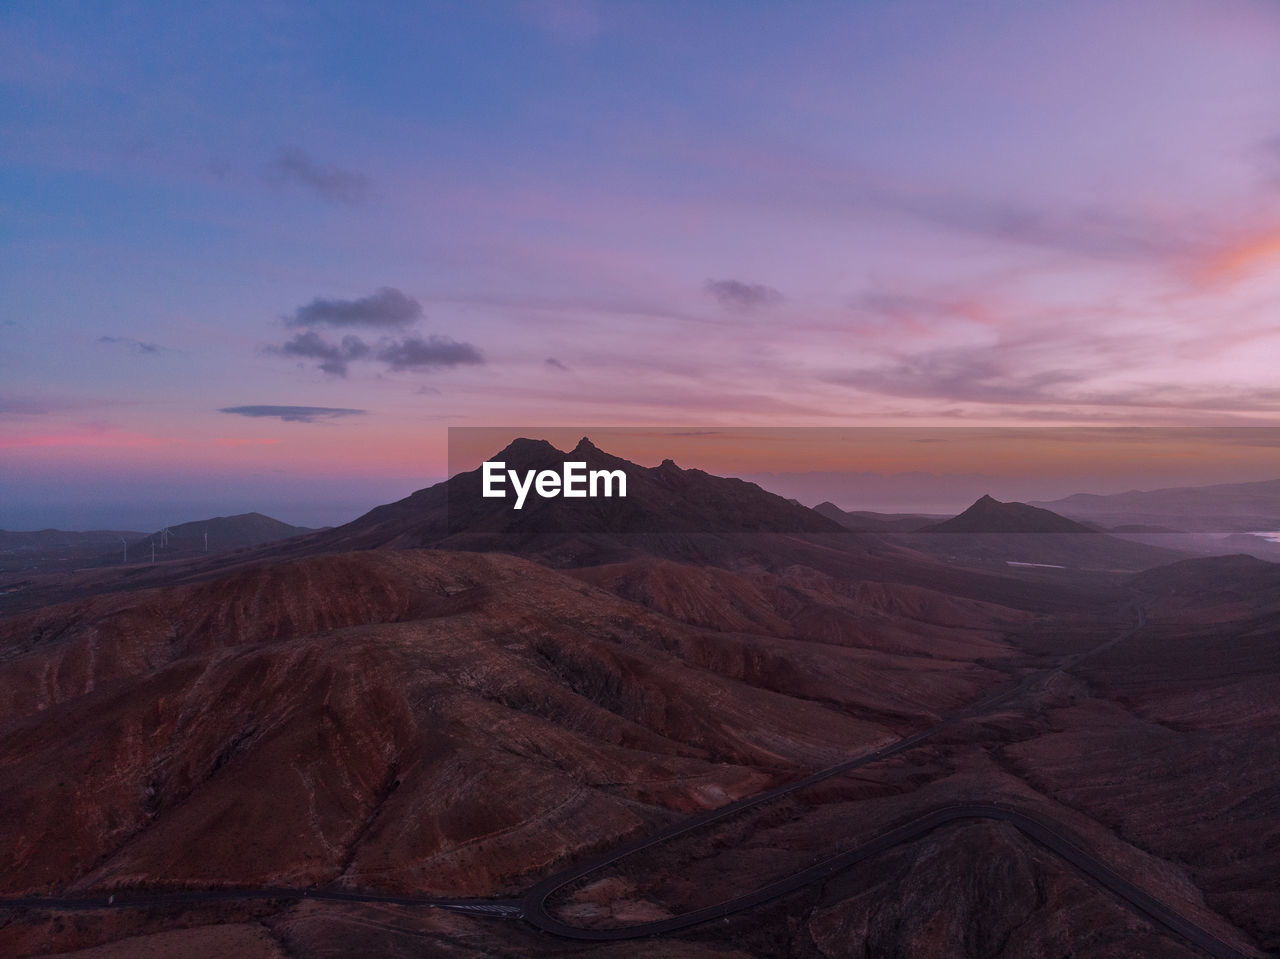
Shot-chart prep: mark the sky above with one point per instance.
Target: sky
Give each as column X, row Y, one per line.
column 939, row 469
column 263, row 256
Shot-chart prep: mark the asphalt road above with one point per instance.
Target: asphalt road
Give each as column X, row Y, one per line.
column 532, row 907
column 699, row 820
column 1041, row 830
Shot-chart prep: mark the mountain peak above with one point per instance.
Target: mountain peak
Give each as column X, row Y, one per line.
column 658, row 500
column 990, row 515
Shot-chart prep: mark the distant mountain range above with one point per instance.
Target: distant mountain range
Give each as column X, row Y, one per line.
column 864, row 521
column 993, row 533
column 1223, row 508
column 41, row 539
column 686, row 515
column 1208, row 521
column 56, row 548
column 45, row 551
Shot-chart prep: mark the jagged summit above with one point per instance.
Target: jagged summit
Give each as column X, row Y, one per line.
column 522, row 448
column 660, row 500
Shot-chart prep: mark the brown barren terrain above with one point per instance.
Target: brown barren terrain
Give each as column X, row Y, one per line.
column 454, row 724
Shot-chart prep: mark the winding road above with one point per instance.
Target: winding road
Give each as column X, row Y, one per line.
column 1040, row 830
column 532, row 907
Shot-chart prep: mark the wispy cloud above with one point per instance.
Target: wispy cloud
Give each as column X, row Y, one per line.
column 16, row 405
column 293, row 414
column 1014, row 374
column 1094, row 232
column 736, row 295
column 554, row 364
column 1238, row 258
column 292, row 165
column 235, row 442
column 86, row 436
column 137, row 346
column 957, row 375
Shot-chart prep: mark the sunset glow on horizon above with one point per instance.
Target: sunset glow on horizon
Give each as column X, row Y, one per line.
column 254, row 261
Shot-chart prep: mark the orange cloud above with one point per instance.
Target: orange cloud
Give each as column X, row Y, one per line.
column 1240, row 258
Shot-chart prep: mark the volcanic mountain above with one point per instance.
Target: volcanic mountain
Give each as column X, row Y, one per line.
column 662, row 500
column 685, row 515
column 989, row 515
column 670, row 513
column 992, row 533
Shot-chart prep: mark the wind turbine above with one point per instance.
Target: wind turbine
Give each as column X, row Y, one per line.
column 153, row 552
column 206, row 541
column 126, row 549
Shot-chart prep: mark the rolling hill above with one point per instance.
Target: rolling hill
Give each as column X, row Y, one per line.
column 220, row 534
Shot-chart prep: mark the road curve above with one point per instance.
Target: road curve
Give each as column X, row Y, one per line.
column 699, row 820
column 1042, row 831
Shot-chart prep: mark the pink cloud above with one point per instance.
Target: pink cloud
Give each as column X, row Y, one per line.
column 236, row 441
column 101, row 439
